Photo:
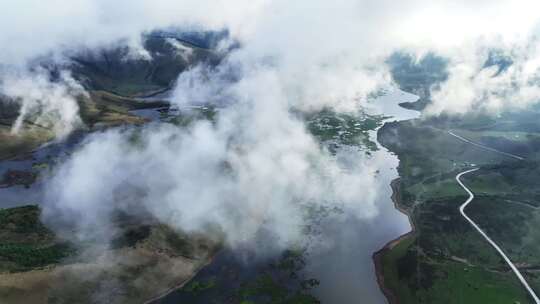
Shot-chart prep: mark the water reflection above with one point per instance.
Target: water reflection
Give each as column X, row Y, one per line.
column 345, row 269
column 39, row 162
column 342, row 262
column 340, row 257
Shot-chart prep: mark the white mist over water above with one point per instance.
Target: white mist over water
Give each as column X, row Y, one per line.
column 251, row 169
column 343, row 262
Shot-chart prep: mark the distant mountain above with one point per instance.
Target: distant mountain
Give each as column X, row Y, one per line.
column 118, row 71
column 418, row 76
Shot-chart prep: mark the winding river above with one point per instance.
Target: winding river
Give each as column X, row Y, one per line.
column 344, row 266
column 346, row 270
column 342, row 260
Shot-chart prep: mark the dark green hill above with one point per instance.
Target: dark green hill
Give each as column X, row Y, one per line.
column 118, row 71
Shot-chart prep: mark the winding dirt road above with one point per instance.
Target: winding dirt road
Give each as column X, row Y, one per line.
column 491, row 242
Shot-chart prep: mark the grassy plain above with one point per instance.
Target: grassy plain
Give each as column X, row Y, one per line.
column 445, row 260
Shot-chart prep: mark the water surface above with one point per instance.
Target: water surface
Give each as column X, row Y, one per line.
column 341, row 261
column 340, row 256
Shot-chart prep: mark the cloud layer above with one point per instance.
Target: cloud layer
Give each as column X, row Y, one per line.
column 257, row 165
column 324, row 52
column 46, row 102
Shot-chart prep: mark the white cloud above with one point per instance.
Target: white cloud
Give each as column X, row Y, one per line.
column 44, row 102
column 472, row 86
column 241, row 181
column 304, row 55
column 324, row 51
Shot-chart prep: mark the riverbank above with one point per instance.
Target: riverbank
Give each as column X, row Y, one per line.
column 377, row 256
column 183, row 283
column 404, row 113
column 421, row 266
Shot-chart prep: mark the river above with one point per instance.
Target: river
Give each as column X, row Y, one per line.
column 342, row 262
column 45, row 157
column 345, row 268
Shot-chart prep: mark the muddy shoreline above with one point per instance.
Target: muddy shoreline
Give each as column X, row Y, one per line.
column 377, row 256
column 180, row 285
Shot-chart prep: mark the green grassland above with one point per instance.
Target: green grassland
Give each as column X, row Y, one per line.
column 445, row 280
column 446, row 260
column 26, row 243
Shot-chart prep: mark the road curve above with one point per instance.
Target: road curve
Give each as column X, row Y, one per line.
column 492, row 243
column 484, row 147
